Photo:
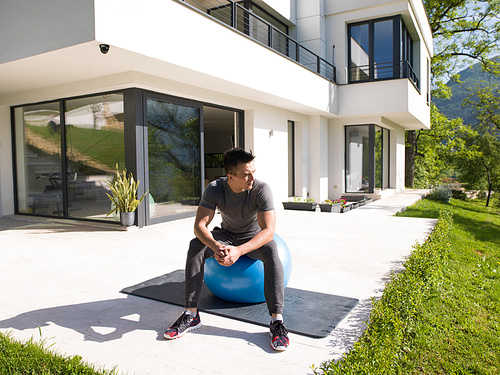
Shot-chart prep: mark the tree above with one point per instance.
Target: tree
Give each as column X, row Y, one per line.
column 480, row 169
column 438, row 147
column 483, row 170
column 464, row 32
column 485, row 104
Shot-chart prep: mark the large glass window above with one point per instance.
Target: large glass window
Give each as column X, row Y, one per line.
column 173, row 158
column 67, row 150
column 372, row 46
column 63, row 162
column 380, row 49
column 383, row 49
column 38, row 159
column 94, row 132
column 367, row 158
column 360, row 53
column 357, row 158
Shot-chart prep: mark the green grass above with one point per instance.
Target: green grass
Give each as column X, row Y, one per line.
column 104, row 146
column 441, row 315
column 23, row 358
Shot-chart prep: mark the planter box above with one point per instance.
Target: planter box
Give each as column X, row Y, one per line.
column 330, row 207
column 346, row 208
column 302, row 206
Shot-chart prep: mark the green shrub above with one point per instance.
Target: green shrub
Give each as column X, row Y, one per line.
column 441, row 192
column 459, row 194
column 386, row 345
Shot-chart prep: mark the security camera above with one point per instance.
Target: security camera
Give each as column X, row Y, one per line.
column 104, row 48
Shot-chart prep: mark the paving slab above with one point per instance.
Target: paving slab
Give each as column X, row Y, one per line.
column 63, row 279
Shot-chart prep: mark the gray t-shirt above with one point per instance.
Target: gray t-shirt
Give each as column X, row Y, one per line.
column 238, row 210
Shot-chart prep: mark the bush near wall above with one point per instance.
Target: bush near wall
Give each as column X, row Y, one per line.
column 395, row 324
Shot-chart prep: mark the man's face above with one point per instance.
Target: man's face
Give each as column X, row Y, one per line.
column 243, row 177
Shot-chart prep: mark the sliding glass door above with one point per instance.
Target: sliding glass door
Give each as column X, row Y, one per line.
column 357, row 158
column 94, row 132
column 367, row 158
column 39, row 159
column 66, row 151
column 173, row 157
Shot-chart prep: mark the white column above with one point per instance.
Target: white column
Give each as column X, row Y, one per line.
column 318, row 158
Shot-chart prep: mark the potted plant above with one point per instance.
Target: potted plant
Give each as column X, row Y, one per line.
column 304, row 204
column 124, row 197
column 332, row 205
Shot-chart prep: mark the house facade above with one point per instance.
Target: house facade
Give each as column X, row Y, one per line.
column 321, row 91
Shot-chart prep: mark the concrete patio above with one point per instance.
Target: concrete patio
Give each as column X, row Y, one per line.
column 63, row 279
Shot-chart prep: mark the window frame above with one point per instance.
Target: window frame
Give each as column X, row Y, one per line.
column 396, row 49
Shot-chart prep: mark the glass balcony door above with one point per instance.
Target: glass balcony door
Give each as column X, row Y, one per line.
column 374, row 50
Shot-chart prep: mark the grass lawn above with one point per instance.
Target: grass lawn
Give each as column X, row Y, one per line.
column 31, row 357
column 441, row 315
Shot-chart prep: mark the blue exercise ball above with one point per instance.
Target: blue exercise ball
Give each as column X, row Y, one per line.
column 244, row 281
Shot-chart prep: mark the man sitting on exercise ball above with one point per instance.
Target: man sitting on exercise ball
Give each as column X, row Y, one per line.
column 248, row 221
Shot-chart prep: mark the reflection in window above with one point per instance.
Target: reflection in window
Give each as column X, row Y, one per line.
column 381, row 158
column 173, row 158
column 94, row 145
column 385, row 159
column 94, row 148
column 383, row 40
column 374, row 50
column 367, row 158
column 38, row 159
column 357, row 158
column 378, row 157
column 360, row 53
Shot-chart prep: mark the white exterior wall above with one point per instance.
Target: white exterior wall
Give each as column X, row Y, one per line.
column 336, row 143
column 6, row 172
column 197, row 58
column 55, row 29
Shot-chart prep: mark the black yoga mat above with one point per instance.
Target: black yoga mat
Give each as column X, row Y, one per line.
column 306, row 313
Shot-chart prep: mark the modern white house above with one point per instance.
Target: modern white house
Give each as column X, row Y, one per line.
column 321, row 91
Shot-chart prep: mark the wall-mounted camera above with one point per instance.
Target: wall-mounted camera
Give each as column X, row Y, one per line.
column 104, row 48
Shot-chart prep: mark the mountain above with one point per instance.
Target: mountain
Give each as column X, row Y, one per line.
column 469, row 78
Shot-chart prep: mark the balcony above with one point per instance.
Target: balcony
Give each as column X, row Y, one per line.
column 378, row 72
column 241, row 19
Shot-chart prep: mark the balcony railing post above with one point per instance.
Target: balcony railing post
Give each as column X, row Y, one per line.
column 233, row 14
column 270, row 37
column 297, row 54
column 318, row 65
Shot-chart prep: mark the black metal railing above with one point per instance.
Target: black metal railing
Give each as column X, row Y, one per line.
column 241, row 19
column 377, row 72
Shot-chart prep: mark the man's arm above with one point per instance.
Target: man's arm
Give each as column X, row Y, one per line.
column 204, row 217
column 267, row 223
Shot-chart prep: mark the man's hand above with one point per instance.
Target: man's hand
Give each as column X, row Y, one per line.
column 227, row 255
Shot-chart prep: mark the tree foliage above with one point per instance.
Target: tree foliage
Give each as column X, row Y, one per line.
column 464, row 32
column 480, row 169
column 485, row 104
column 438, row 147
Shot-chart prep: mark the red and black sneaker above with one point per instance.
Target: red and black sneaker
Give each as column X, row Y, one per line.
column 184, row 324
column 279, row 336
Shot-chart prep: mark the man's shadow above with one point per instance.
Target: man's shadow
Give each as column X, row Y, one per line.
column 110, row 320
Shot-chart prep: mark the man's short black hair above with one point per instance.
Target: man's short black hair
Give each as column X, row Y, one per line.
column 235, row 156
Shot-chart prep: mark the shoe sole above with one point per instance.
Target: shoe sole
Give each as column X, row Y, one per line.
column 278, row 348
column 183, row 333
